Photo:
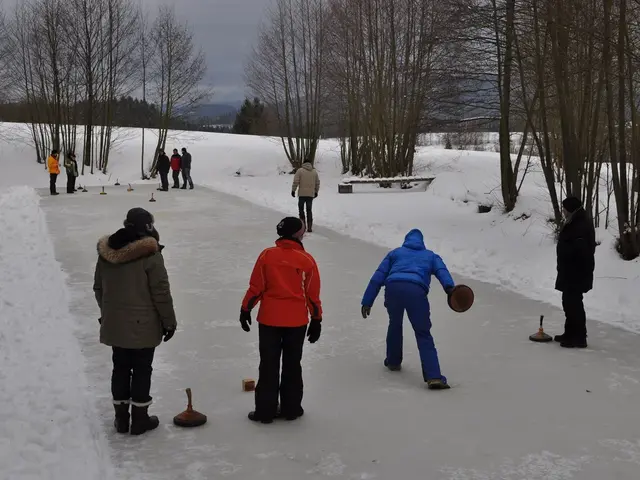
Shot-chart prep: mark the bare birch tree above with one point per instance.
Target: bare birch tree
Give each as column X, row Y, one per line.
column 177, row 70
column 286, row 71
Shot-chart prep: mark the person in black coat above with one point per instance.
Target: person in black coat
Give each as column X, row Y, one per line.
column 576, row 263
column 186, row 170
column 164, row 165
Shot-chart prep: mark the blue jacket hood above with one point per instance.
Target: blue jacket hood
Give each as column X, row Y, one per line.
column 414, row 240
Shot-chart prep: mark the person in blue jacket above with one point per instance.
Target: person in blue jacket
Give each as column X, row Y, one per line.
column 406, row 275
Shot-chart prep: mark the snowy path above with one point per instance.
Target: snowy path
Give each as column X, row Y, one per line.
column 519, row 410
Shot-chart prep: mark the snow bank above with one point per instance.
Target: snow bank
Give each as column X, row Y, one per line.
column 48, row 429
column 515, row 251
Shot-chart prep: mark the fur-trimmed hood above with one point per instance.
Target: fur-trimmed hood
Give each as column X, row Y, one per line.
column 143, row 247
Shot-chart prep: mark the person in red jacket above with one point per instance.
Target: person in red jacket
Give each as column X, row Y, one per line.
column 176, row 165
column 286, row 282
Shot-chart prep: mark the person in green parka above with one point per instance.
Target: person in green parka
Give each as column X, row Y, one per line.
column 71, row 165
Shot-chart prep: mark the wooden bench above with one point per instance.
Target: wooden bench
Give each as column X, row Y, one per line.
column 346, row 185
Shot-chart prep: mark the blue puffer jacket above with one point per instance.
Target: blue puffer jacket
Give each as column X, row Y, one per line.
column 410, row 263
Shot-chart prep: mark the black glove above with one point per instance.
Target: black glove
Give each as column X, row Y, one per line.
column 366, row 311
column 315, row 327
column 293, row 194
column 245, row 320
column 168, row 334
column 449, row 291
column 100, row 320
column 316, row 195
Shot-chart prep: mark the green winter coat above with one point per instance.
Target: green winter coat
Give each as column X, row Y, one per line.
column 132, row 289
column 71, row 165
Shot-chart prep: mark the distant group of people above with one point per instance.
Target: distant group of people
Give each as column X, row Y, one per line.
column 71, row 167
column 177, row 164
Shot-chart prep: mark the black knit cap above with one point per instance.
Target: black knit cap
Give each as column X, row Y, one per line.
column 289, row 227
column 572, row 204
column 139, row 220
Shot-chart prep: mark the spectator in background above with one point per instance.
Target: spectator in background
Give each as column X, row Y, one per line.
column 575, row 251
column 163, row 166
column 53, row 165
column 176, row 165
column 71, row 166
column 186, row 169
column 307, row 182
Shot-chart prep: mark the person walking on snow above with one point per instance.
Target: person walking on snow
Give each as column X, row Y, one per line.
column 186, row 169
column 71, row 165
column 286, row 282
column 131, row 286
column 53, row 165
column 163, row 166
column 575, row 265
column 307, row 182
column 176, row 165
column 406, row 275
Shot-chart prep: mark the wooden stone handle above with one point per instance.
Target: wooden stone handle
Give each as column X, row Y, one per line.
column 189, row 404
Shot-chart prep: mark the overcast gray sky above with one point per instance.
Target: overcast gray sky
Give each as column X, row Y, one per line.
column 226, row 30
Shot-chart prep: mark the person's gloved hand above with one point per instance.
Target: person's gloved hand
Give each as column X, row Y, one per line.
column 366, row 311
column 449, row 291
column 315, row 327
column 168, row 334
column 100, row 320
column 316, row 195
column 293, row 194
column 245, row 320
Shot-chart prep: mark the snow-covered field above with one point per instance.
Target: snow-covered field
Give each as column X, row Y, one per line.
column 48, row 424
column 515, row 251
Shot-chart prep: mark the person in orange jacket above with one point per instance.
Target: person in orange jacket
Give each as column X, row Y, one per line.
column 286, row 282
column 53, row 165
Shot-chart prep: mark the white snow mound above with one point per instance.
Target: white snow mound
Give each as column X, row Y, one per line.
column 48, row 428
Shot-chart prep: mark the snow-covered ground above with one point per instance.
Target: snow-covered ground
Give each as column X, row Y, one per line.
column 49, row 427
column 518, row 410
column 515, row 251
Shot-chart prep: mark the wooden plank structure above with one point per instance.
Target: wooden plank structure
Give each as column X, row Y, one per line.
column 346, row 185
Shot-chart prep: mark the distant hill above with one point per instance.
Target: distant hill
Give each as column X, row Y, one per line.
column 214, row 111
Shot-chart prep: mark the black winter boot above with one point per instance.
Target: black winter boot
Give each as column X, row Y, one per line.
column 141, row 422
column 122, row 417
column 258, row 418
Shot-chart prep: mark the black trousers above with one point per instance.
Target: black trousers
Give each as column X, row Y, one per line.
column 276, row 342
column 575, row 325
column 131, row 377
column 53, row 178
column 71, row 183
column 176, row 179
column 186, row 178
column 306, row 203
column 164, row 180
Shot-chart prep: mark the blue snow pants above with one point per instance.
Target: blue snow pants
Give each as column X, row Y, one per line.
column 401, row 296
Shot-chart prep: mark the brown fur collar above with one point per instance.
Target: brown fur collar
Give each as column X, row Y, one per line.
column 144, row 247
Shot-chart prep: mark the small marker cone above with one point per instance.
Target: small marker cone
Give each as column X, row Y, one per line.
column 540, row 336
column 130, row 189
column 190, row 418
column 152, row 199
column 117, row 184
column 103, row 192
